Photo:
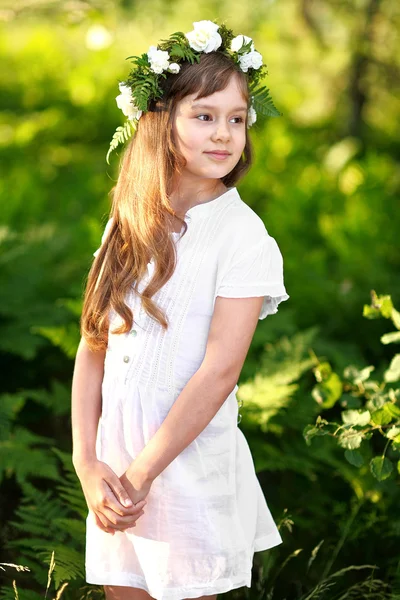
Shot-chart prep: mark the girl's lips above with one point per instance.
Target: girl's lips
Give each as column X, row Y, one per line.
column 218, row 155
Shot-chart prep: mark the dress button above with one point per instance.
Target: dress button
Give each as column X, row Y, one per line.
column 133, row 332
column 126, row 359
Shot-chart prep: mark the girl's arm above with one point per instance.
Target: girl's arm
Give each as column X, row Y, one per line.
column 104, row 493
column 86, row 402
column 231, row 331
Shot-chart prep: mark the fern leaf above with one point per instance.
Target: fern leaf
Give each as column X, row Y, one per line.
column 69, row 564
column 121, row 134
column 262, row 102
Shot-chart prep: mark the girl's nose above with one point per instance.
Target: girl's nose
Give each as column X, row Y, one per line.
column 221, row 131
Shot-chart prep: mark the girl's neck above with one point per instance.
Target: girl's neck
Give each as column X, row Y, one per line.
column 185, row 197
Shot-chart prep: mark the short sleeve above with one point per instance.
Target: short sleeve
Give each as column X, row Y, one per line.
column 104, row 236
column 258, row 271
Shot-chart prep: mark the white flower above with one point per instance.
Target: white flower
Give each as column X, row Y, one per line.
column 251, row 59
column 124, row 102
column 204, row 37
column 158, row 59
column 239, row 41
column 251, row 116
column 174, row 68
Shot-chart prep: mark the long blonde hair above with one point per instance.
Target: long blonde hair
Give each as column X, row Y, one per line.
column 141, row 210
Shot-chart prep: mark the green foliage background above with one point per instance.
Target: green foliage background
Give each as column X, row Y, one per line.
column 325, row 181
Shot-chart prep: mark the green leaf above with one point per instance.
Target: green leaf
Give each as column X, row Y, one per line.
column 328, row 392
column 393, row 372
column 66, row 337
column 389, row 338
column 381, row 416
column 262, row 102
column 120, row 136
column 396, row 318
column 322, row 371
column 393, row 433
column 350, row 439
column 381, row 467
column 392, row 409
column 375, row 402
column 381, row 306
column 354, row 417
column 311, row 431
column 354, row 457
column 357, row 376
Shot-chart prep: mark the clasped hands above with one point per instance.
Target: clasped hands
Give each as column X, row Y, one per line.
column 116, row 502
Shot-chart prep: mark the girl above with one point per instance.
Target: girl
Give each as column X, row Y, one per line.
column 184, row 272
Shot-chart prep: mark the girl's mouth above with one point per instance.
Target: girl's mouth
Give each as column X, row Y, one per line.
column 218, row 155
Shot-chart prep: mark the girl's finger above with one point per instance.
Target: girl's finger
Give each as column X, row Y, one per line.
column 120, row 523
column 112, row 502
column 102, row 525
column 134, row 524
column 129, row 521
column 119, row 491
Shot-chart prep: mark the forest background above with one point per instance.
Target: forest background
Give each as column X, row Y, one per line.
column 326, row 183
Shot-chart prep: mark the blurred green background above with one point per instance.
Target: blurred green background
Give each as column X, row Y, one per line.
column 325, row 181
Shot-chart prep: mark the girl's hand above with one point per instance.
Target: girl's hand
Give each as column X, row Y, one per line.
column 137, row 487
column 107, row 498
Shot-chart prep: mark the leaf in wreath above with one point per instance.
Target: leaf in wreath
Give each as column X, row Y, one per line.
column 262, row 103
column 177, row 51
column 120, row 136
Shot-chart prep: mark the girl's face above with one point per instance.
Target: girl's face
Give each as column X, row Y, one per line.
column 216, row 123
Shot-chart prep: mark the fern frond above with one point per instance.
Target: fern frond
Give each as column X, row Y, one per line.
column 10, row 406
column 121, row 135
column 68, row 564
column 262, row 102
column 19, row 457
column 66, row 337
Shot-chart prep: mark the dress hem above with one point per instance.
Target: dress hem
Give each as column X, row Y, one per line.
column 267, row 541
column 126, row 579
column 224, row 585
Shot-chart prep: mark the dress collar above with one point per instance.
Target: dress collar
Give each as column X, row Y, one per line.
column 205, row 208
column 199, row 211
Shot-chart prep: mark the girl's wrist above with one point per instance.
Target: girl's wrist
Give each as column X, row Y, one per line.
column 138, row 476
column 81, row 461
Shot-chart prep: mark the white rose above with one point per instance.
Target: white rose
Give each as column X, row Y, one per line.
column 239, row 41
column 251, row 59
column 124, row 102
column 251, row 116
column 158, row 59
column 204, row 37
column 174, row 68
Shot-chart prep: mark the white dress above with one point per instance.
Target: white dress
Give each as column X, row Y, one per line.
column 206, row 514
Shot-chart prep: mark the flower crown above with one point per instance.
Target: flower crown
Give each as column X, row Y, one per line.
column 142, row 83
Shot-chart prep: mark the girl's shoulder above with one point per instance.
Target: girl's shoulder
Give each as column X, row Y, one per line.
column 242, row 224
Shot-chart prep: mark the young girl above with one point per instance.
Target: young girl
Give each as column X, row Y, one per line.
column 185, row 270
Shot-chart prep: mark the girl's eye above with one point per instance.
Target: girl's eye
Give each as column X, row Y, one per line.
column 240, row 120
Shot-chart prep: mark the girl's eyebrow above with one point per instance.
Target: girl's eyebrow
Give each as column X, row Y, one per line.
column 237, row 109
